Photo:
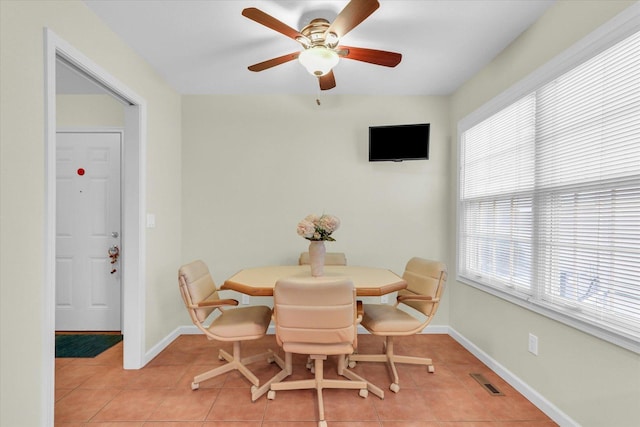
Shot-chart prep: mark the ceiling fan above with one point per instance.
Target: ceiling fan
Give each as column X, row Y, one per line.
column 320, row 41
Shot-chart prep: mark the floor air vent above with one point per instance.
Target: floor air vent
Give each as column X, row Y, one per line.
column 493, row 390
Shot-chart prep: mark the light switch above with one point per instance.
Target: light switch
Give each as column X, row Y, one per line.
column 533, row 344
column 151, row 221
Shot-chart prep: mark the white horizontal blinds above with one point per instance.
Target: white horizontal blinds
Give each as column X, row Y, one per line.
column 498, row 242
column 588, row 120
column 588, row 189
column 550, row 195
column 496, row 183
column 498, row 153
column 590, row 255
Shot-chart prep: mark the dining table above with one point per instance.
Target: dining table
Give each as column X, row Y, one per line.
column 368, row 281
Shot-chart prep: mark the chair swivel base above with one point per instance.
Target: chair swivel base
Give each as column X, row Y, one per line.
column 390, row 358
column 319, row 383
column 236, row 363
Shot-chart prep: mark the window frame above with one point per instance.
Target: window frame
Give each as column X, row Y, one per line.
column 620, row 27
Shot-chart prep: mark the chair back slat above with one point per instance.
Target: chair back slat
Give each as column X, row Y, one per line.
column 196, row 286
column 315, row 310
column 424, row 277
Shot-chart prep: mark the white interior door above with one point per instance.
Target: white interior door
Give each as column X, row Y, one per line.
column 88, row 288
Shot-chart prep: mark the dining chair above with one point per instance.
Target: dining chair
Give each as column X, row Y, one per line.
column 316, row 316
column 330, row 258
column 426, row 280
column 234, row 325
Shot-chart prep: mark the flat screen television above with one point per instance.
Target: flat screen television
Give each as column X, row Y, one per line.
column 399, row 142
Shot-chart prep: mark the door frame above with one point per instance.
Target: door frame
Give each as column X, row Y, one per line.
column 133, row 212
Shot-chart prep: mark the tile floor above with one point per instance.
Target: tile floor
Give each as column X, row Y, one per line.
column 98, row 392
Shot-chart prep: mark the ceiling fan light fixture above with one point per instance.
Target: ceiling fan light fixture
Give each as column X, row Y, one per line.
column 318, row 60
column 331, row 39
column 304, row 41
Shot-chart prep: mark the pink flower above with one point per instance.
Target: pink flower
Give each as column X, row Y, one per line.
column 329, row 223
column 312, row 218
column 306, row 229
column 314, row 227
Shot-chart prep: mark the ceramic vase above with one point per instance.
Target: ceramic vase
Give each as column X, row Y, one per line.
column 316, row 257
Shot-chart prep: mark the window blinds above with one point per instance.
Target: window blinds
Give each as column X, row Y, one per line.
column 497, row 181
column 550, row 194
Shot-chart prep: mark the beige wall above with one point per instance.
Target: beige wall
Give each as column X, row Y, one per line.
column 249, row 169
column 593, row 382
column 87, row 111
column 254, row 166
column 22, row 187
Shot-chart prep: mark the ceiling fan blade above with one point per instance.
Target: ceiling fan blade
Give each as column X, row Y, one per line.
column 270, row 22
column 328, row 81
column 352, row 15
column 372, row 56
column 261, row 66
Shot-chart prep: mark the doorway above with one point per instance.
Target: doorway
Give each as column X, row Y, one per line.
column 88, row 285
column 133, row 198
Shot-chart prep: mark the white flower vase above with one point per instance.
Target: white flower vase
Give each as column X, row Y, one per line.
column 316, row 257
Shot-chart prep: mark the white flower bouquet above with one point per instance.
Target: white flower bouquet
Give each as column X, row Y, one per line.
column 315, row 227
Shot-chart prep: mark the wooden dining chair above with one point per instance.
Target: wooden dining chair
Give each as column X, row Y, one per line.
column 235, row 325
column 316, row 316
column 425, row 283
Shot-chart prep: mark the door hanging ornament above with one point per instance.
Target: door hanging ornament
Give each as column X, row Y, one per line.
column 114, row 253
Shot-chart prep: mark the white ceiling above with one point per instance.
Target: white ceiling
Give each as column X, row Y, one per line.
column 205, row 46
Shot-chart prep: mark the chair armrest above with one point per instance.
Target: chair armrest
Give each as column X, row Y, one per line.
column 403, row 298
column 216, row 303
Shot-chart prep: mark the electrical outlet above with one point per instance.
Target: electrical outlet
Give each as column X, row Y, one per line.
column 245, row 299
column 384, row 299
column 533, row 344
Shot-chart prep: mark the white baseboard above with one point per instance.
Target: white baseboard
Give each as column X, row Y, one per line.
column 532, row 395
column 193, row 330
column 523, row 388
column 162, row 344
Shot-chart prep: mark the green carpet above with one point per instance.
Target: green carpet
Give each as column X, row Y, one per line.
column 84, row 345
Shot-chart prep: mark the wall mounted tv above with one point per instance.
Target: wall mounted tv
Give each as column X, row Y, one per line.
column 399, row 142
